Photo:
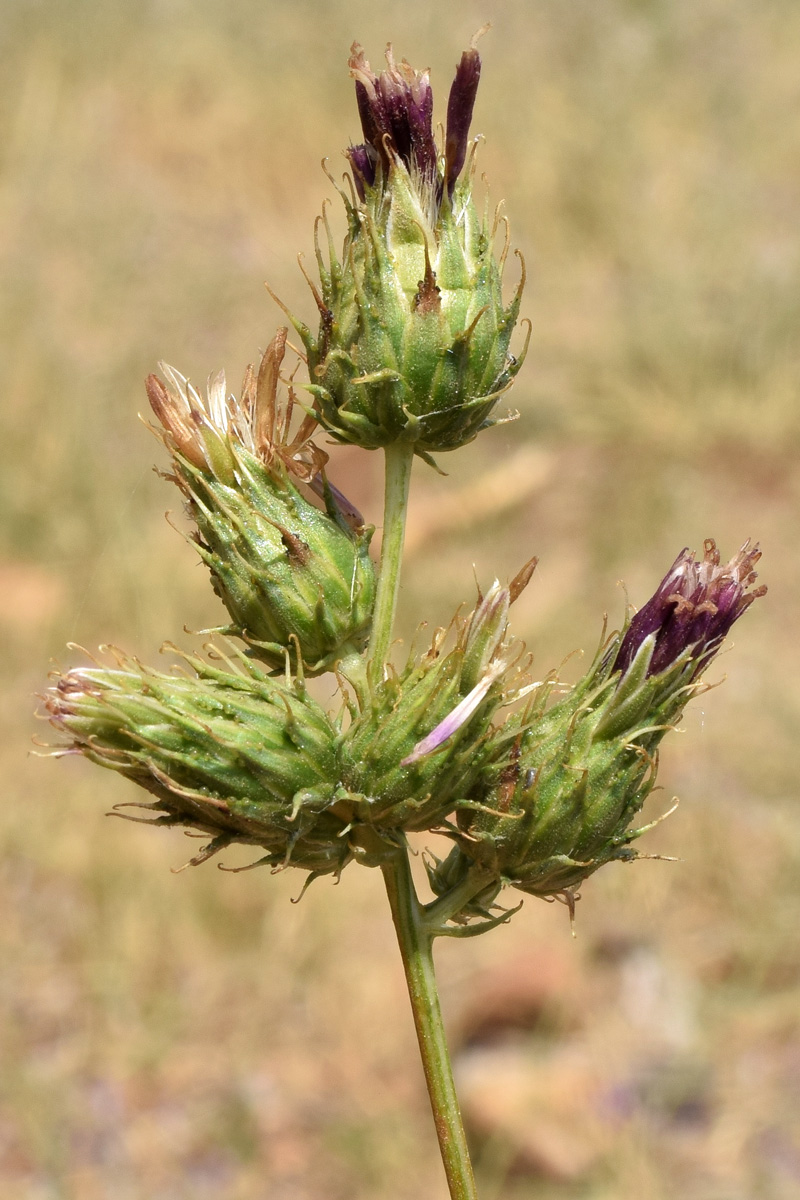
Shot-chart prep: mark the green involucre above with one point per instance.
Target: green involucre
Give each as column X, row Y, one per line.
column 414, row 334
column 402, row 710
column 284, row 569
column 241, row 757
column 566, row 782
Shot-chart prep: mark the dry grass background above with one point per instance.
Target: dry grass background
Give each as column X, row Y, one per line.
column 197, row 1035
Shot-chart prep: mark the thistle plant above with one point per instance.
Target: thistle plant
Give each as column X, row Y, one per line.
column 536, row 784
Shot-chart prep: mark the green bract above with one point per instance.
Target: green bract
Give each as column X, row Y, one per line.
column 414, row 339
column 418, row 744
column 283, row 568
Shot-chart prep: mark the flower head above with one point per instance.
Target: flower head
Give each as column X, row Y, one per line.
column 414, row 333
column 693, row 608
column 290, row 575
column 232, row 753
column 568, row 778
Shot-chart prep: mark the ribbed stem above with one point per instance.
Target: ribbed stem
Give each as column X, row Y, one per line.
column 399, row 460
column 416, row 946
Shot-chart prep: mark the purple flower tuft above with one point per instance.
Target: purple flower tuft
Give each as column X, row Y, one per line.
column 693, row 608
column 396, row 111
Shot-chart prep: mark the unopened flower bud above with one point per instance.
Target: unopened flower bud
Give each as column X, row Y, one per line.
column 238, row 756
column 567, row 780
column 414, row 333
column 288, row 573
column 489, row 624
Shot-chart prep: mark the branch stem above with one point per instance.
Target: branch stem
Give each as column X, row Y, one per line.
column 438, row 912
column 416, row 948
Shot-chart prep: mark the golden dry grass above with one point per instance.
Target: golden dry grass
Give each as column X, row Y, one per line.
column 197, row 1035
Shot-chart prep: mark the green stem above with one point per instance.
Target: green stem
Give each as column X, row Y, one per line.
column 399, row 459
column 416, row 948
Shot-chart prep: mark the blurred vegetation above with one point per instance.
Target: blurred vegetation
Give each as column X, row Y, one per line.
column 198, row 1035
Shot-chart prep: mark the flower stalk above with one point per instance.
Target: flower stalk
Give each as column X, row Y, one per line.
column 415, row 939
column 399, row 459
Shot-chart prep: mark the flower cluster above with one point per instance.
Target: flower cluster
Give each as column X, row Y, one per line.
column 541, row 799
column 536, row 785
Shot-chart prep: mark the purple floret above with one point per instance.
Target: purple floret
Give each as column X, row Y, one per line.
column 362, row 160
column 459, row 115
